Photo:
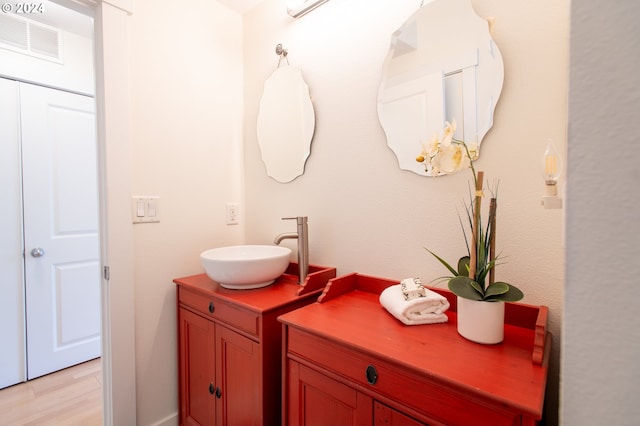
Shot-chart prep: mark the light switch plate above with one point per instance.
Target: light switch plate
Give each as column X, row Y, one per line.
column 145, row 209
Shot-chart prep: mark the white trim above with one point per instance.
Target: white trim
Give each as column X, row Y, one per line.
column 170, row 420
column 111, row 21
column 114, row 134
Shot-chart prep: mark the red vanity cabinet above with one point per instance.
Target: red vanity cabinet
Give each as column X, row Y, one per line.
column 348, row 362
column 230, row 347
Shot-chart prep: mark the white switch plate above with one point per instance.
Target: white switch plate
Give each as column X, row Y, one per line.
column 233, row 213
column 145, row 209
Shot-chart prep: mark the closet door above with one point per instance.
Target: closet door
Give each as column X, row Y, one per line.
column 60, row 192
column 12, row 354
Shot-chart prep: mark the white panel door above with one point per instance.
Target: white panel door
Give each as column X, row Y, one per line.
column 411, row 110
column 12, row 352
column 60, row 192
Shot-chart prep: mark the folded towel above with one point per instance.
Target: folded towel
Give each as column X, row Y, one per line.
column 421, row 310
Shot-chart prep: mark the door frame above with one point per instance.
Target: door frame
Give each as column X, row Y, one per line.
column 113, row 118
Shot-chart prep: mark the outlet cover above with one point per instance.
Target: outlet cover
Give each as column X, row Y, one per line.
column 233, row 213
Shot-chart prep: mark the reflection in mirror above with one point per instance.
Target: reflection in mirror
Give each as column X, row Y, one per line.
column 442, row 66
column 286, row 123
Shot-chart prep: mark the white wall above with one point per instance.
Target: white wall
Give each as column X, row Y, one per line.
column 367, row 215
column 186, row 67
column 601, row 347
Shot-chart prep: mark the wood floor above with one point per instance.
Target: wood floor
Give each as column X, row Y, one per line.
column 69, row 397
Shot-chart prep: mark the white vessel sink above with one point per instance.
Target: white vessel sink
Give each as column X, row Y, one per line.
column 245, row 266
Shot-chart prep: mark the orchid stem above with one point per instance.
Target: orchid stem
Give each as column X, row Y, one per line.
column 473, row 261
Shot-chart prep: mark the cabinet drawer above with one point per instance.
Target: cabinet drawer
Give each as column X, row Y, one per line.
column 388, row 380
column 217, row 309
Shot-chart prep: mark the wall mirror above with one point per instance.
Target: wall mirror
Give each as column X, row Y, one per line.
column 286, row 122
column 442, row 66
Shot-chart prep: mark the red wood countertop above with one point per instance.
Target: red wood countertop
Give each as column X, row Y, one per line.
column 505, row 373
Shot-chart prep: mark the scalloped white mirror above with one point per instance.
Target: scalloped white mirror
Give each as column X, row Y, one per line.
column 442, row 66
column 286, row 123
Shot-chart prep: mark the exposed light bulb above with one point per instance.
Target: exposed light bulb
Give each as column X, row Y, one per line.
column 551, row 166
column 551, row 172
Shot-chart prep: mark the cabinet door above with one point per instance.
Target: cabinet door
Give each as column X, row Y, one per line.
column 317, row 400
column 387, row 416
column 239, row 378
column 197, row 355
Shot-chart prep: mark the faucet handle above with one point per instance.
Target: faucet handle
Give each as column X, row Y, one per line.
column 300, row 219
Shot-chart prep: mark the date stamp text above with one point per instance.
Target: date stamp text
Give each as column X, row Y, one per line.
column 22, row 8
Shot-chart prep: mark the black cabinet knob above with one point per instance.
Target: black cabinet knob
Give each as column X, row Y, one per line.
column 211, row 307
column 212, row 388
column 218, row 392
column 372, row 375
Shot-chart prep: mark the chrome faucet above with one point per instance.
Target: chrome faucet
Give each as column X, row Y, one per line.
column 303, row 245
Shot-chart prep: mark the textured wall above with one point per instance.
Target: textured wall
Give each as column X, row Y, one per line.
column 601, row 347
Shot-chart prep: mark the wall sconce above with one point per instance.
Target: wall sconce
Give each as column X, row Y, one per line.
column 297, row 8
column 551, row 173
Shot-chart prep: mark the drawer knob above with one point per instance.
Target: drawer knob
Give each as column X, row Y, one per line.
column 218, row 392
column 372, row 375
column 211, row 307
column 212, row 388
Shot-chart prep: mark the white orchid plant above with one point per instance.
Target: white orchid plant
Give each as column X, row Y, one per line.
column 445, row 155
column 474, row 276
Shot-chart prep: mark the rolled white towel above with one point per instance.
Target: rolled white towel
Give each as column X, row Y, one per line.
column 429, row 309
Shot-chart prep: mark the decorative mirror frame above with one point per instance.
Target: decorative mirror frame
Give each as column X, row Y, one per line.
column 442, row 67
column 286, row 122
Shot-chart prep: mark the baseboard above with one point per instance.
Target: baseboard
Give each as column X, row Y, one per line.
column 170, row 420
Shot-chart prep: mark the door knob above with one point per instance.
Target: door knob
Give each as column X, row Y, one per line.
column 37, row 252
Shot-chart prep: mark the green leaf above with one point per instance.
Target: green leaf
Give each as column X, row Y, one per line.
column 483, row 271
column 463, row 266
column 496, row 289
column 444, row 262
column 477, row 287
column 512, row 295
column 481, row 275
column 462, row 286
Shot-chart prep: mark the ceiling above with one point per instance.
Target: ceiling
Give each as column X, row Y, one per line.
column 240, row 6
column 79, row 23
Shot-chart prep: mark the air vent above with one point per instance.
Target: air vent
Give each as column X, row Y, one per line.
column 44, row 41
column 14, row 32
column 34, row 39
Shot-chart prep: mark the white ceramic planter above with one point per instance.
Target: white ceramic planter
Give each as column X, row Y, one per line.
column 481, row 322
